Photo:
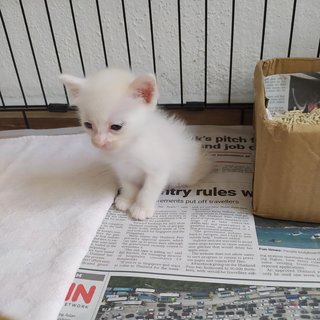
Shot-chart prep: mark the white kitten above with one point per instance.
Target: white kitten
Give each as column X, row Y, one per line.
column 147, row 150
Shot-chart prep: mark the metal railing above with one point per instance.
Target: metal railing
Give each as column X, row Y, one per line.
column 191, row 105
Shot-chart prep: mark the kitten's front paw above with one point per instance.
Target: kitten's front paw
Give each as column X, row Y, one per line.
column 140, row 212
column 122, row 203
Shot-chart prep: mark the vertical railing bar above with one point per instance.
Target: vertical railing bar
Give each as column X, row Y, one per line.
column 101, row 33
column 318, row 53
column 231, row 50
column 77, row 37
column 2, row 101
column 292, row 26
column 126, row 32
column 32, row 51
column 152, row 38
column 180, row 53
column 205, row 52
column 55, row 45
column 25, row 118
column 263, row 27
column 242, row 117
column 13, row 60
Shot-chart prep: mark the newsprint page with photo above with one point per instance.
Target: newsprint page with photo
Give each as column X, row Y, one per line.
column 203, row 255
column 295, row 91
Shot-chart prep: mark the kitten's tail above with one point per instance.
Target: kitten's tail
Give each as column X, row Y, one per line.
column 202, row 169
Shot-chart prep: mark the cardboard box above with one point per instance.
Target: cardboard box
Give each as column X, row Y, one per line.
column 287, row 165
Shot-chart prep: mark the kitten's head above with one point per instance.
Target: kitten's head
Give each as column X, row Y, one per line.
column 113, row 105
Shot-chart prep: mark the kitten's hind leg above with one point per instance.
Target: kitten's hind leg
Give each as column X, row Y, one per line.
column 148, row 195
column 127, row 196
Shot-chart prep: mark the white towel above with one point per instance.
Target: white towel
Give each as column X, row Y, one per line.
column 54, row 193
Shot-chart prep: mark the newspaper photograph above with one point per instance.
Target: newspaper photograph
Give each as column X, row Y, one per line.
column 288, row 92
column 203, row 255
column 133, row 296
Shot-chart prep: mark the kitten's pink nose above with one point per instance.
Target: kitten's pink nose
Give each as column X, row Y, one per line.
column 100, row 143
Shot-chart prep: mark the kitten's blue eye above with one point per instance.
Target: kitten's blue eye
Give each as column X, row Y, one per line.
column 115, row 127
column 88, row 125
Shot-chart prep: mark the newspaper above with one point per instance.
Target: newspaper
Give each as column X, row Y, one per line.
column 287, row 92
column 203, row 255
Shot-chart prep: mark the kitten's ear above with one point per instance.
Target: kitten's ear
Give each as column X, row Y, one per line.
column 73, row 84
column 145, row 87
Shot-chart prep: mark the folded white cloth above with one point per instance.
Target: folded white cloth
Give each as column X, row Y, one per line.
column 54, row 193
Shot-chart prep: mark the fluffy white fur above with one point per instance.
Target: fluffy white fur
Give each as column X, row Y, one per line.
column 150, row 150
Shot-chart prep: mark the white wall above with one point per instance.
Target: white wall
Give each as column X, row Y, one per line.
column 247, row 44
